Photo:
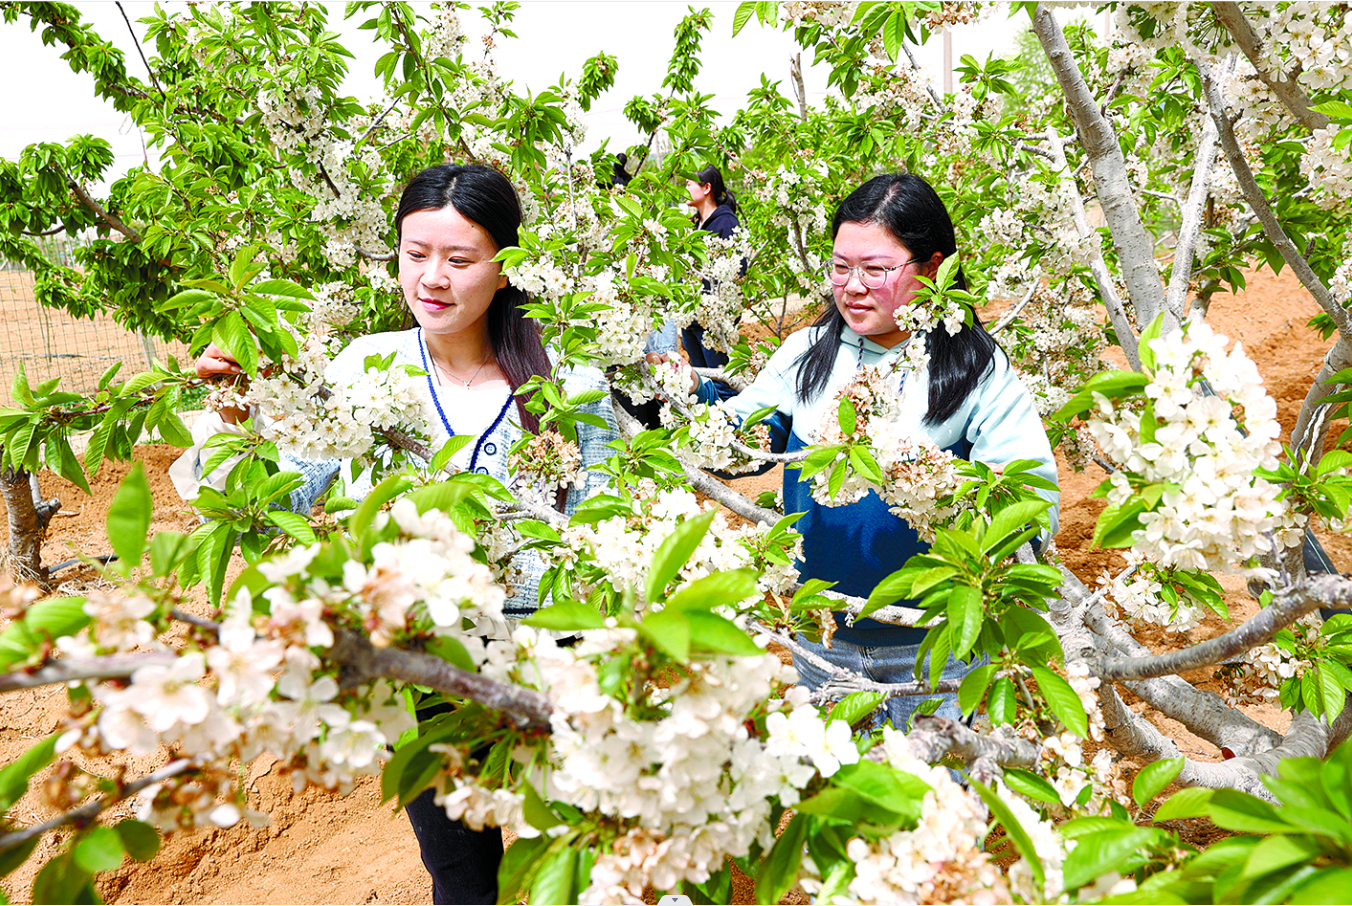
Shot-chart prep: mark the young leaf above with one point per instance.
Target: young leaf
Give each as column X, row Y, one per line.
column 1153, row 778
column 673, row 553
column 780, row 868
column 856, row 706
column 129, row 517
column 1063, row 700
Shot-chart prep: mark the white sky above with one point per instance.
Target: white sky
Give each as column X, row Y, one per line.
column 45, row 101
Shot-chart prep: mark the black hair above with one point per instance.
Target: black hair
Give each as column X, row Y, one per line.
column 910, row 209
column 485, row 196
column 711, row 177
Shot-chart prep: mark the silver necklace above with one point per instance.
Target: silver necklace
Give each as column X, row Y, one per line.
column 460, row 381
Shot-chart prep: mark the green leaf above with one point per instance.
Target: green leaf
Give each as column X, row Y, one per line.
column 11, row 859
column 1013, row 518
column 232, row 335
column 973, row 688
column 1117, row 523
column 1153, row 778
column 718, row 590
column 965, row 616
column 42, row 623
column 669, row 630
column 129, row 517
column 1193, row 802
column 1100, row 853
column 142, row 841
column 1063, row 701
column 294, row 524
column 856, row 706
column 566, row 616
column 745, row 10
column 452, row 446
column 100, row 850
column 847, row 416
column 1032, row 786
column 14, row 776
column 1278, row 852
column 380, row 495
column 1336, row 110
column 1246, row 814
column 1151, row 332
column 537, row 814
column 894, row 31
column 674, row 552
column 553, row 877
column 779, row 871
column 711, row 632
column 1016, row 832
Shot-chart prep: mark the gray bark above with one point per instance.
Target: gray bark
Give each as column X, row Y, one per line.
column 1135, row 248
column 1126, row 336
column 1285, row 87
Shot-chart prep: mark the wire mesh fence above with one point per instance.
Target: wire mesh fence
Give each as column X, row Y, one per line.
column 51, row 343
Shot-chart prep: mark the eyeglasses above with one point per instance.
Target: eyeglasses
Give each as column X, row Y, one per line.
column 873, row 276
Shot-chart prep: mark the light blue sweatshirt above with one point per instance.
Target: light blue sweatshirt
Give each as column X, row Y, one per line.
column 859, row 544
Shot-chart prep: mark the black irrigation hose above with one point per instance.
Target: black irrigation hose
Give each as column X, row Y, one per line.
column 105, row 558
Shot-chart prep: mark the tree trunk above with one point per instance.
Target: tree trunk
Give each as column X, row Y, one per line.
column 29, row 515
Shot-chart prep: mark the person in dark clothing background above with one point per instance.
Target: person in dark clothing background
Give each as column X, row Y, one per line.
column 715, row 211
column 619, row 176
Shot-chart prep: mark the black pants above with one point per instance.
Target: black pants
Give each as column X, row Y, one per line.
column 463, row 863
column 692, row 338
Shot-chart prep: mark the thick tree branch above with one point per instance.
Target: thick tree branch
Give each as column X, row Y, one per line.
column 934, row 737
column 363, row 662
column 735, row 381
column 1288, row 606
column 1303, row 434
column 1253, row 194
column 1135, row 249
column 1126, row 336
column 1190, row 230
column 1287, row 89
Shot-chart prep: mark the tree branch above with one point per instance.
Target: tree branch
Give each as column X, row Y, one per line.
column 1190, row 230
column 363, row 662
column 86, row 813
column 935, row 736
column 1287, row 89
column 1288, row 606
column 111, row 219
column 68, row 670
column 1126, row 336
column 845, row 681
column 1135, row 250
column 1008, row 317
column 1254, row 196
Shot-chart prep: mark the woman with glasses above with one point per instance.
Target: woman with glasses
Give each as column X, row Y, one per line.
column 967, row 399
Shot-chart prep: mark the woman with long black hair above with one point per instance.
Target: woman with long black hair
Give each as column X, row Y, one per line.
column 715, row 212
column 967, row 399
column 477, row 348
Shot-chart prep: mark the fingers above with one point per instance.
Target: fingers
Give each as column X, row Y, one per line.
column 216, row 361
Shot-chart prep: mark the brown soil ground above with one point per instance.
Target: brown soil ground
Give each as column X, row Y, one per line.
column 321, row 848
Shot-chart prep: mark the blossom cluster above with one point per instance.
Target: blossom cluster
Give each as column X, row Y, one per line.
column 919, row 478
column 547, row 463
column 622, row 548
column 1208, row 428
column 1139, row 598
column 711, row 431
column 258, row 686
column 297, row 417
column 681, row 782
column 939, row 860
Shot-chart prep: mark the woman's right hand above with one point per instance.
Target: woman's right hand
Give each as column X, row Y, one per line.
column 216, row 365
column 659, row 358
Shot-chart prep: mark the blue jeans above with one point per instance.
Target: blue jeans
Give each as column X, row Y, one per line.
column 882, row 664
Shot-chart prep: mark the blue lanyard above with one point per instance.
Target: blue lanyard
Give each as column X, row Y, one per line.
column 859, row 363
column 432, row 389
